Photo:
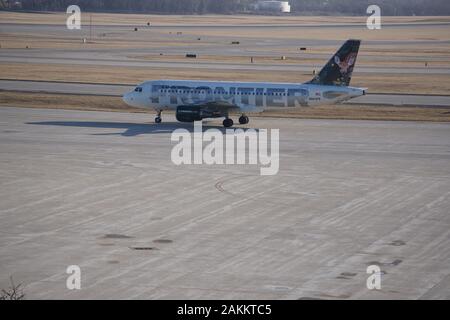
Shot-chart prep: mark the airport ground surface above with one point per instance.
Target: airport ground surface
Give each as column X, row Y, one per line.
column 95, row 189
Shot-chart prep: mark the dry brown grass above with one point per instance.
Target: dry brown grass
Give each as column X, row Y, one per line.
column 298, row 58
column 96, row 103
column 342, row 33
column 161, row 35
column 133, row 75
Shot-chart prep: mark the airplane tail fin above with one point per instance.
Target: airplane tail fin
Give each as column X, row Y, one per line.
column 338, row 71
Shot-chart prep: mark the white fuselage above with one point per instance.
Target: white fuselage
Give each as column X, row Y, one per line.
column 246, row 96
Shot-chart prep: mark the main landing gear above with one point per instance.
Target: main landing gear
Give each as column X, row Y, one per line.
column 158, row 117
column 243, row 119
column 229, row 122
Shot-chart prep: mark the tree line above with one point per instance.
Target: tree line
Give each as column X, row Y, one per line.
column 327, row 7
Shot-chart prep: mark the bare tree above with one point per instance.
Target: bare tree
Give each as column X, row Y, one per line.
column 4, row 4
column 13, row 292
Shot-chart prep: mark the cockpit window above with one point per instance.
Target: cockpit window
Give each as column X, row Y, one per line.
column 138, row 89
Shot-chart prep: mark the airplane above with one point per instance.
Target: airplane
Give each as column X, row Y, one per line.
column 195, row 100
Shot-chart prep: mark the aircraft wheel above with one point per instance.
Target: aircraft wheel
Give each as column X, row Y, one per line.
column 243, row 120
column 228, row 123
column 158, row 120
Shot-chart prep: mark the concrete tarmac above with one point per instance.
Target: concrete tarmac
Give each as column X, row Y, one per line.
column 99, row 190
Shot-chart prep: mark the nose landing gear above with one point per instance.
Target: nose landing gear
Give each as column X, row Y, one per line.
column 158, row 117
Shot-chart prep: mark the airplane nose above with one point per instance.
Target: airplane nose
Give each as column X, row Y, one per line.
column 126, row 98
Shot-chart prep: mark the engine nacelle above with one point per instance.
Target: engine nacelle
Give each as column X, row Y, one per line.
column 198, row 113
column 189, row 113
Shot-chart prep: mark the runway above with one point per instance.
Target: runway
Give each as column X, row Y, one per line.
column 99, row 190
column 119, row 90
